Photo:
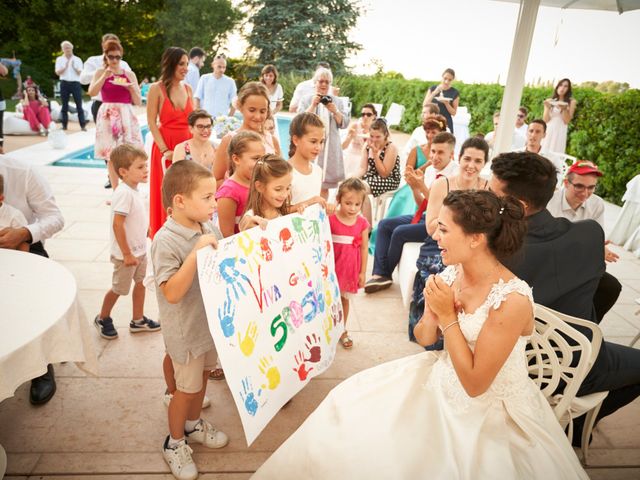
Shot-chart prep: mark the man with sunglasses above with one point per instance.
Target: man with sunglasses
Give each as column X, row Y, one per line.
column 68, row 68
column 521, row 121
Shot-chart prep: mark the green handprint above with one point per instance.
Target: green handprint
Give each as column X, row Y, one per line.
column 249, row 342
column 271, row 372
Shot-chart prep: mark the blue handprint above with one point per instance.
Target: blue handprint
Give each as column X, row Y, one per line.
column 226, row 316
column 322, row 215
column 232, row 276
column 248, row 397
column 317, row 255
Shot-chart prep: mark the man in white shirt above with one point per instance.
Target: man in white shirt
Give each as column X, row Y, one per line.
column 94, row 63
column 196, row 62
column 517, row 141
column 394, row 232
column 521, row 118
column 306, row 88
column 68, row 68
column 215, row 91
column 29, row 192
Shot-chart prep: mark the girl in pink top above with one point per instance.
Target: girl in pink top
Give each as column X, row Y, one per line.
column 116, row 122
column 350, row 235
column 245, row 148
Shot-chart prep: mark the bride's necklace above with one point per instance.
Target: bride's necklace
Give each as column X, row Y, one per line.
column 479, row 282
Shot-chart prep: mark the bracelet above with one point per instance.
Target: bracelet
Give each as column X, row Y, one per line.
column 450, row 325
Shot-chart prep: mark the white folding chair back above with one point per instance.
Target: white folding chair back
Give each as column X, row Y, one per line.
column 551, row 361
column 586, row 404
column 378, row 107
column 347, row 103
column 394, row 114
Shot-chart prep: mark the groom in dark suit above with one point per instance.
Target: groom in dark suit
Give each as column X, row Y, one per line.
column 563, row 263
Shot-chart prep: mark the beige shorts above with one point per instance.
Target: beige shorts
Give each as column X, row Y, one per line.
column 122, row 275
column 189, row 376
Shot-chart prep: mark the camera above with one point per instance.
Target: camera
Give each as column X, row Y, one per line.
column 325, row 99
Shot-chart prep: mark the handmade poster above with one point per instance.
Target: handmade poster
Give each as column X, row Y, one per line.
column 274, row 311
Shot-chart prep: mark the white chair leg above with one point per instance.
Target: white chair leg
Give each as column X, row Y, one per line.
column 589, row 421
column 635, row 340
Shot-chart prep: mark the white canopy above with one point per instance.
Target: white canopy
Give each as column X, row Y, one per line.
column 522, row 46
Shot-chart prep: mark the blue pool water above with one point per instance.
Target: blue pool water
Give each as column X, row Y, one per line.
column 84, row 158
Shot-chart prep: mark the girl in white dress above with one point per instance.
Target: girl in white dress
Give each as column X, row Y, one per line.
column 558, row 112
column 467, row 412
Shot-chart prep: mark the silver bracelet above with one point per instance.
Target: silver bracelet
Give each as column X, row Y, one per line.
column 450, row 325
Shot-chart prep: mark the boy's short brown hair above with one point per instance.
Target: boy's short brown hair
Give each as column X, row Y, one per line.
column 124, row 155
column 182, row 178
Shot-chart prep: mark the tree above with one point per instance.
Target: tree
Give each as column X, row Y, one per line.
column 203, row 23
column 295, row 36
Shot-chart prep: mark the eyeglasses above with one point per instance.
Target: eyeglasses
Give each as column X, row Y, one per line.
column 204, row 127
column 581, row 188
column 521, row 115
column 367, row 114
column 114, row 57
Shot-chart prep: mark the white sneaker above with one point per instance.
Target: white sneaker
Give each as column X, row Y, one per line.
column 167, row 399
column 180, row 461
column 207, row 435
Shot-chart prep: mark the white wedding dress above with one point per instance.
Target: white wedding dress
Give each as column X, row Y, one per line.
column 412, row 419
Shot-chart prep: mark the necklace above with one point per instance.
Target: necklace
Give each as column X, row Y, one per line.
column 480, row 282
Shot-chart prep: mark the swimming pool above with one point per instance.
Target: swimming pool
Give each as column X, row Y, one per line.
column 84, row 158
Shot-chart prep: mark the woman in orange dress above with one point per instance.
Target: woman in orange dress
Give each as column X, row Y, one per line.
column 168, row 107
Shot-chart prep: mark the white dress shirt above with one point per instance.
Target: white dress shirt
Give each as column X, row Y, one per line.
column 592, row 209
column 72, row 73
column 303, row 89
column 26, row 190
column 193, row 75
column 91, row 65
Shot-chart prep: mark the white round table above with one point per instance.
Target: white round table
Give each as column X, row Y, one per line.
column 626, row 231
column 41, row 320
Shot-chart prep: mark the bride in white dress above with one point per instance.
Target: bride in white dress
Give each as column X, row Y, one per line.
column 468, row 412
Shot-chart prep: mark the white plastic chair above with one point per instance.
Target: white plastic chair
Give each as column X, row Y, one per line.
column 567, row 405
column 560, row 161
column 378, row 107
column 346, row 101
column 394, row 114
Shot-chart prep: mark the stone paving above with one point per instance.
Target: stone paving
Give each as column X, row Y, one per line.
column 113, row 426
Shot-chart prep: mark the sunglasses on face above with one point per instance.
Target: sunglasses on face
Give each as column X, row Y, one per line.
column 367, row 114
column 520, row 115
column 204, row 127
column 581, row 188
column 114, row 57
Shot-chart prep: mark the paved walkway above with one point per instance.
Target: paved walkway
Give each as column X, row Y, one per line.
column 113, row 426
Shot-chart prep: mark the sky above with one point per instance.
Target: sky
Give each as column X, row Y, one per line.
column 420, row 38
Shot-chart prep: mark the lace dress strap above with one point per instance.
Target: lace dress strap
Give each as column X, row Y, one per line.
column 449, row 274
column 500, row 290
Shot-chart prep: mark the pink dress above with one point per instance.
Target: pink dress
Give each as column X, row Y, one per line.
column 116, row 122
column 347, row 240
column 236, row 192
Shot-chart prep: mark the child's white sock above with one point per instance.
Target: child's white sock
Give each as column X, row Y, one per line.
column 173, row 442
column 190, row 425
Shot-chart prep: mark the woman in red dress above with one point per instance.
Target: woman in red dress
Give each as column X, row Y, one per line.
column 168, row 107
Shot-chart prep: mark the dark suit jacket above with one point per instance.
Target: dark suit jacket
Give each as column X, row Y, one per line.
column 563, row 262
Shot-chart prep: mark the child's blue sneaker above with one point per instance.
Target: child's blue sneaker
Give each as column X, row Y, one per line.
column 146, row 325
column 105, row 327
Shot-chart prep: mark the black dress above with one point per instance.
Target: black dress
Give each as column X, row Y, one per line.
column 376, row 182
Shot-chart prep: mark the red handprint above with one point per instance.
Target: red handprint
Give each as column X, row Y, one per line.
column 327, row 247
column 301, row 368
column 313, row 345
column 286, row 239
column 266, row 249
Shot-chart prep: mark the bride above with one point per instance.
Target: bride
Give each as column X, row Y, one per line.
column 468, row 412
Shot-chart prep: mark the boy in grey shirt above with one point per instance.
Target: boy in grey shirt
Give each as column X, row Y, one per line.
column 189, row 189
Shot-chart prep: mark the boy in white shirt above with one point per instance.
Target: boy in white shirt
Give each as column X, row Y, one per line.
column 129, row 225
column 11, row 217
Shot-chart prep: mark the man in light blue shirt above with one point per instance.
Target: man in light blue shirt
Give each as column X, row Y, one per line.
column 196, row 62
column 216, row 91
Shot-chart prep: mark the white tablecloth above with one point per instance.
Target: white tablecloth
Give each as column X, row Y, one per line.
column 41, row 320
column 626, row 231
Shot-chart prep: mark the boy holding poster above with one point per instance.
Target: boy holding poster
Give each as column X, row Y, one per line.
column 189, row 189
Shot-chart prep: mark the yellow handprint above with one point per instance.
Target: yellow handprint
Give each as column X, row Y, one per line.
column 249, row 342
column 327, row 326
column 251, row 251
column 271, row 372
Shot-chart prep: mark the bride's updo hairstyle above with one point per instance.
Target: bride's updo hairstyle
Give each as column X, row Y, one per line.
column 500, row 219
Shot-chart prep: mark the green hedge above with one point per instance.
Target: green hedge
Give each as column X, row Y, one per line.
column 606, row 127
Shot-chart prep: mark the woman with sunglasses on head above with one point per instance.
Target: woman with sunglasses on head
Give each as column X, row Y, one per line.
column 558, row 112
column 353, row 143
column 199, row 146
column 116, row 122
